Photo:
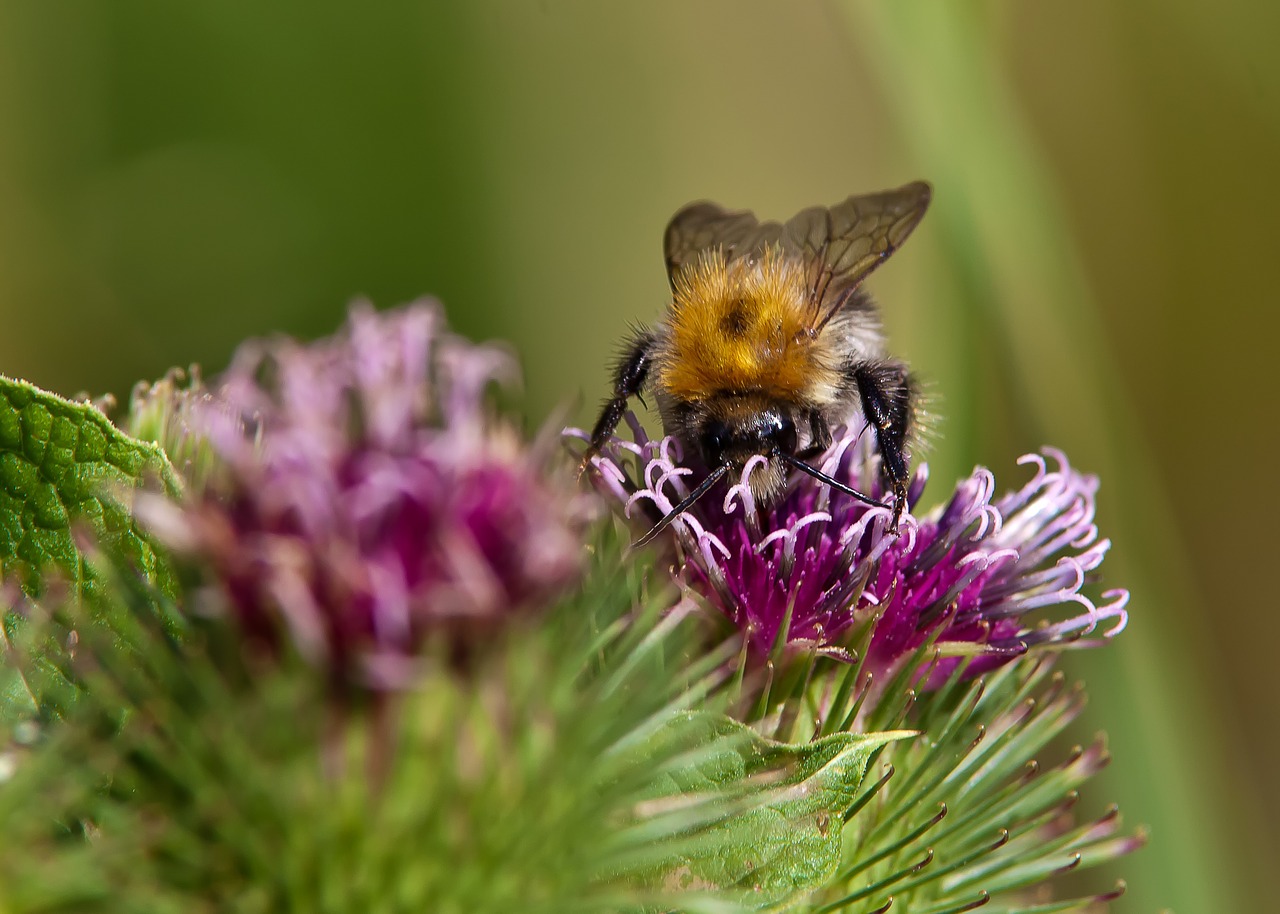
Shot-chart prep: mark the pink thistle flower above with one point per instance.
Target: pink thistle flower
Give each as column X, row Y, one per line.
column 976, row 575
column 362, row 494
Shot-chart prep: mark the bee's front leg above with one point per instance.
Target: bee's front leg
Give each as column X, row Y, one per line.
column 887, row 393
column 629, row 376
column 819, row 437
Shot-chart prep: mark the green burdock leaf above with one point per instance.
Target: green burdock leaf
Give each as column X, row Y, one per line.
column 64, row 468
column 61, row 464
column 753, row 821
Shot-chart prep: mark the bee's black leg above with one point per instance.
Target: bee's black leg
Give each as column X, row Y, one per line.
column 887, row 394
column 629, row 376
column 819, row 437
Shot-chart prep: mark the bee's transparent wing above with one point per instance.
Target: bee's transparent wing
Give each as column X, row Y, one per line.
column 703, row 226
column 845, row 242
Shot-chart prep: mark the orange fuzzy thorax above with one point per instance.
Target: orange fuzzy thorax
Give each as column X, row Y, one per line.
column 743, row 327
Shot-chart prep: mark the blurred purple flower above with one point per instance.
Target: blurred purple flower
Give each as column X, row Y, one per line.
column 809, row 569
column 362, row 494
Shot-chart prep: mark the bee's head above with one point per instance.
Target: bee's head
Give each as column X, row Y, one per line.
column 728, row 430
column 732, row 437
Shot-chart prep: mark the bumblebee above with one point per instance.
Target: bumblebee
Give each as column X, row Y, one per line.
column 770, row 341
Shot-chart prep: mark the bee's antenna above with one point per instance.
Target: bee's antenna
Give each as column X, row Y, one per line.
column 817, row 474
column 712, row 478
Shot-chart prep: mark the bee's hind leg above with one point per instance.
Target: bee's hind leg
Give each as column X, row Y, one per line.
column 887, row 393
column 629, row 376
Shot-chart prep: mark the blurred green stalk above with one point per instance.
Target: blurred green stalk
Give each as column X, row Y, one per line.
column 1014, row 264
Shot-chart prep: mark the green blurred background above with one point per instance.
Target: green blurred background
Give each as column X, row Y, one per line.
column 1096, row 272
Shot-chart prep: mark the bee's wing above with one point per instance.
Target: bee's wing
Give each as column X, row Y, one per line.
column 849, row 240
column 703, row 226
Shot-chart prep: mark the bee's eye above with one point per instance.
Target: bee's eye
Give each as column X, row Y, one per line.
column 714, row 439
column 784, row 435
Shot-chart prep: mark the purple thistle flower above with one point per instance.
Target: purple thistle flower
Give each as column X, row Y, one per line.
column 363, row 496
column 810, row 569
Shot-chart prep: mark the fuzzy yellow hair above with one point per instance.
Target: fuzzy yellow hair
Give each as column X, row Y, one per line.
column 745, row 327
